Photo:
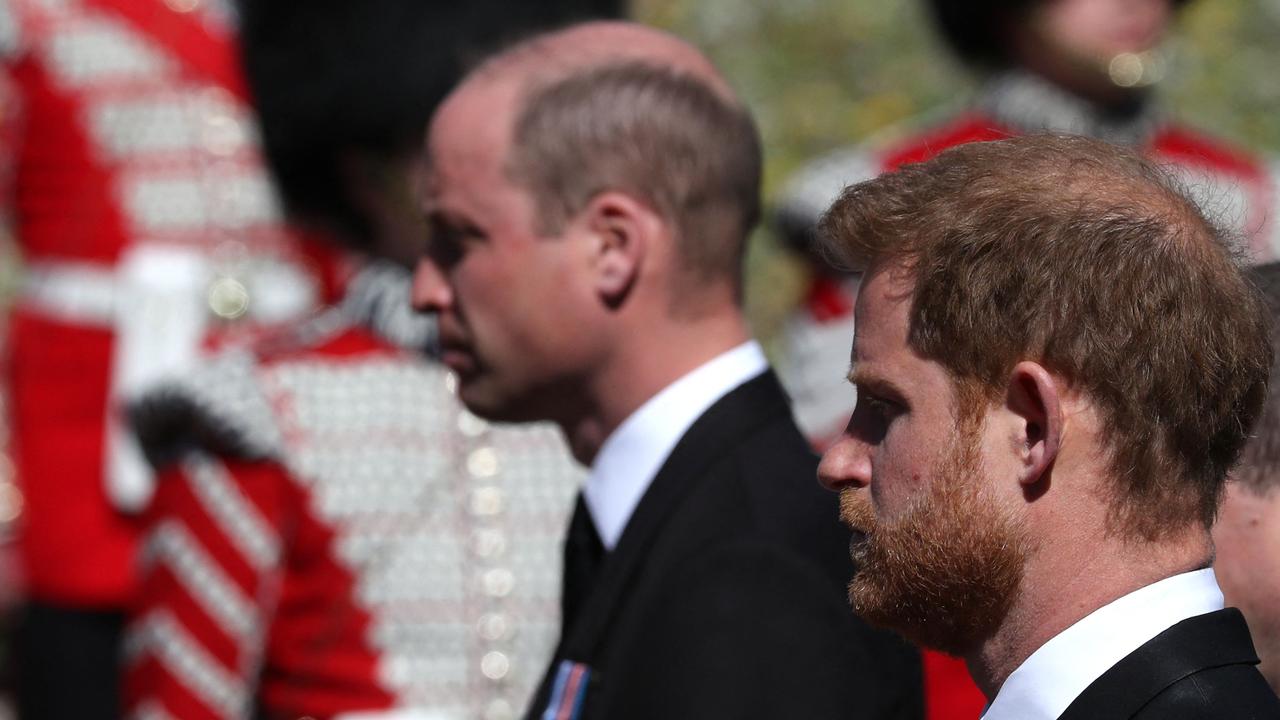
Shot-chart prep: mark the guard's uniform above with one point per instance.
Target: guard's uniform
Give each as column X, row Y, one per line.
column 1235, row 187
column 131, row 181
column 346, row 539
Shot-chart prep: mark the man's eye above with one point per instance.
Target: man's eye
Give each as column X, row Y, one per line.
column 877, row 406
column 447, row 242
column 871, row 417
column 442, row 250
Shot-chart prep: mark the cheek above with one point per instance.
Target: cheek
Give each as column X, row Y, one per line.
column 558, row 297
column 533, row 316
column 900, row 467
column 492, row 288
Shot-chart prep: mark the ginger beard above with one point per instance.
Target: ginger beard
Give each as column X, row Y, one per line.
column 946, row 571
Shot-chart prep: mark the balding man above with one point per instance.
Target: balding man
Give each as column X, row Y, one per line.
column 1058, row 358
column 589, row 194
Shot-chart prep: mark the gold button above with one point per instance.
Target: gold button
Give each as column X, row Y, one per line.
column 222, row 135
column 499, row 710
column 483, row 462
column 494, row 665
column 498, row 582
column 492, row 626
column 228, row 298
column 488, row 543
column 487, row 501
column 1125, row 69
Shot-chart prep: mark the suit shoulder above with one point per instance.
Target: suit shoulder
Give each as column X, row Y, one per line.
column 1235, row 692
column 1202, row 667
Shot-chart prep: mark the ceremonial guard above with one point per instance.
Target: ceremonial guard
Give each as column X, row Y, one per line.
column 1047, row 66
column 333, row 536
column 336, row 535
column 131, row 182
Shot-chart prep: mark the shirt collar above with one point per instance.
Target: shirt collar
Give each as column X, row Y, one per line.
column 1056, row 674
column 632, row 455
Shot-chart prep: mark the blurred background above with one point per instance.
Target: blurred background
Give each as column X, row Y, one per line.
column 821, row 74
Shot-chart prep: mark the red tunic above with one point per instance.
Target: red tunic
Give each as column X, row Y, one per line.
column 348, row 540
column 131, row 180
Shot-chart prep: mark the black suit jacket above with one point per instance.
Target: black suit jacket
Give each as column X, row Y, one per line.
column 1203, row 668
column 726, row 594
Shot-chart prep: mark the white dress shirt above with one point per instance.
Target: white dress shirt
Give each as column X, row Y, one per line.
column 1055, row 675
column 632, row 455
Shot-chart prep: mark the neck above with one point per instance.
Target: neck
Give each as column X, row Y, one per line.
column 1059, row 590
column 1247, row 536
column 644, row 362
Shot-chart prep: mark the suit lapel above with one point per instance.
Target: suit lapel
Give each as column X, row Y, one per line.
column 710, row 438
column 1199, row 643
column 725, row 424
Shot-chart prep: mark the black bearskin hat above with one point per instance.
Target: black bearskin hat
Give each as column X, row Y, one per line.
column 334, row 76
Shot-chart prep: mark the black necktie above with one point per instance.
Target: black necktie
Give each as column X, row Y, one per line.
column 583, row 556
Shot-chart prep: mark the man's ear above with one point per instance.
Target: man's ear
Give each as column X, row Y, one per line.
column 1036, row 401
column 620, row 228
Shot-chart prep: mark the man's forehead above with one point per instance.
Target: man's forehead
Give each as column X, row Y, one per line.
column 475, row 119
column 881, row 314
column 883, row 302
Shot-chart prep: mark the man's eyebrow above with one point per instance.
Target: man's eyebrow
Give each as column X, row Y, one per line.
column 853, row 364
column 434, row 211
column 867, row 380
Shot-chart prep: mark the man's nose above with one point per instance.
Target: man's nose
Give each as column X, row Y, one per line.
column 430, row 292
column 846, row 464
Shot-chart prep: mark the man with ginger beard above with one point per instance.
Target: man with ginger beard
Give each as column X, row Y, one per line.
column 1058, row 358
column 589, row 194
